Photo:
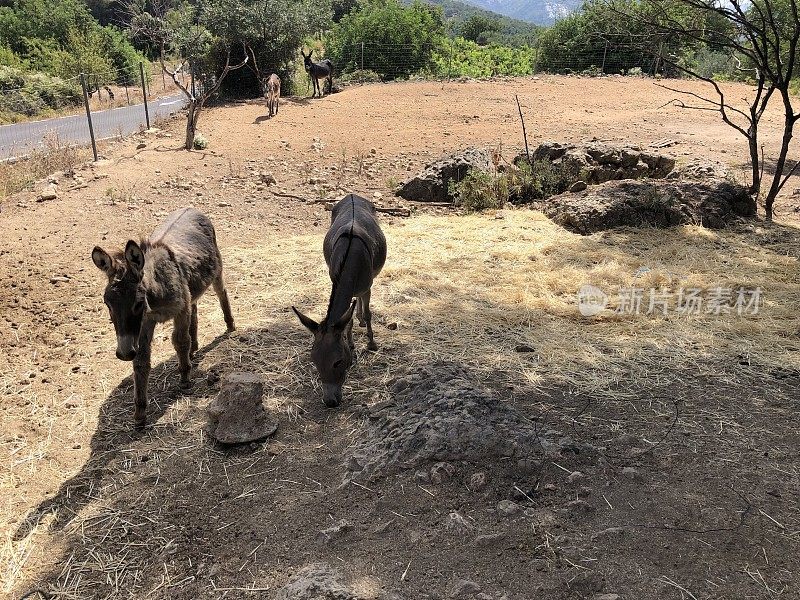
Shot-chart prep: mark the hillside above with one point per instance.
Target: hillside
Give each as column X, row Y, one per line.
column 542, row 12
column 512, row 29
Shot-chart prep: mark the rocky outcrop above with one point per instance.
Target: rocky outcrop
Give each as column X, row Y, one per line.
column 432, row 183
column 597, row 163
column 712, row 202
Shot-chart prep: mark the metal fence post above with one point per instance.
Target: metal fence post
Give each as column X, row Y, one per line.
column 362, row 63
column 144, row 95
column 450, row 60
column 603, row 66
column 88, row 115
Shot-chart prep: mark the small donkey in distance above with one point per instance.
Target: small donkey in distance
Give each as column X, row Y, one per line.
column 160, row 279
column 272, row 92
column 355, row 251
column 318, row 70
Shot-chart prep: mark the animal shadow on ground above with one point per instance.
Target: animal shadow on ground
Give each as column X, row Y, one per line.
column 115, row 430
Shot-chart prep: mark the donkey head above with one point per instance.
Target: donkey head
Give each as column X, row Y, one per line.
column 307, row 59
column 124, row 295
column 331, row 353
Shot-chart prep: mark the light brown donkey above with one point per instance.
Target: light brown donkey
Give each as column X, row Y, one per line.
column 159, row 279
column 272, row 92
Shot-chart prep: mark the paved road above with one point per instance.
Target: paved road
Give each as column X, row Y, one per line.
column 20, row 138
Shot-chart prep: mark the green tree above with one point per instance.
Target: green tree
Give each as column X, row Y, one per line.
column 272, row 30
column 480, row 29
column 397, row 40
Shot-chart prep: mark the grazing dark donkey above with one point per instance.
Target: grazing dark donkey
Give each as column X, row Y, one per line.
column 355, row 250
column 317, row 71
column 155, row 281
column 272, row 92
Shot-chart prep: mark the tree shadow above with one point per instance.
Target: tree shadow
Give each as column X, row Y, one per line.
column 115, row 430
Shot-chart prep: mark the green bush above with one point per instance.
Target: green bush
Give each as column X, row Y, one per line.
column 62, row 38
column 397, row 39
column 462, row 58
column 480, row 191
column 522, row 183
column 30, row 94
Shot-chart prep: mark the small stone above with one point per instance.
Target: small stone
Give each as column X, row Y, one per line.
column 237, row 415
column 611, row 532
column 392, row 326
column 464, row 588
column 524, row 348
column 456, row 522
column 477, row 481
column 59, row 279
column 267, row 178
column 377, row 195
column 632, row 474
column 141, row 146
column 489, row 539
column 373, row 151
column 334, row 532
column 49, row 192
column 574, row 477
column 441, row 472
column 578, row 186
column 606, row 597
column 508, row 508
column 579, row 507
column 422, row 476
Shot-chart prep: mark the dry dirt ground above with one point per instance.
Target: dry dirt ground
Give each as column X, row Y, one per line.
column 683, row 429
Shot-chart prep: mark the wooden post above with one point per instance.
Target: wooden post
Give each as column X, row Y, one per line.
column 127, row 95
column 144, row 95
column 88, row 115
column 362, row 63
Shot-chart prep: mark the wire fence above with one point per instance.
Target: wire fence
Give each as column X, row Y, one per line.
column 368, row 61
column 94, row 108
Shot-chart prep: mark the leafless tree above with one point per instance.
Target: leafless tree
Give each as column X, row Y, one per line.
column 762, row 37
column 172, row 27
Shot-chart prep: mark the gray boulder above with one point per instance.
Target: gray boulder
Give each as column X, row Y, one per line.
column 432, row 183
column 237, row 415
column 316, row 582
column 595, row 162
column 713, row 203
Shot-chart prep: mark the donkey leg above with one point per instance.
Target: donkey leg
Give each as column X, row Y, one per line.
column 193, row 331
column 222, row 294
column 368, row 318
column 360, row 312
column 141, row 373
column 181, row 341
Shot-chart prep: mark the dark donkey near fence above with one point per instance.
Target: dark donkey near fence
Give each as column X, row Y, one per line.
column 317, row 71
column 160, row 279
column 355, row 251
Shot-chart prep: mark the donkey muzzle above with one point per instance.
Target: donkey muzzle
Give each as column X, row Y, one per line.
column 331, row 395
column 126, row 347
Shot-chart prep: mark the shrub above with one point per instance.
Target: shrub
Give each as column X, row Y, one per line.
column 480, row 190
column 521, row 183
column 462, row 58
column 397, row 39
column 30, row 94
column 200, row 142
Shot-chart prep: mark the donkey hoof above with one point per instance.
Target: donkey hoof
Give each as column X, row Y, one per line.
column 372, row 346
column 140, row 421
column 186, row 383
column 362, row 323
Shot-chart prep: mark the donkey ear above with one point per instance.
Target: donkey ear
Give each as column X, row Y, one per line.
column 303, row 53
column 310, row 52
column 307, row 322
column 345, row 318
column 102, row 260
column 134, row 256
